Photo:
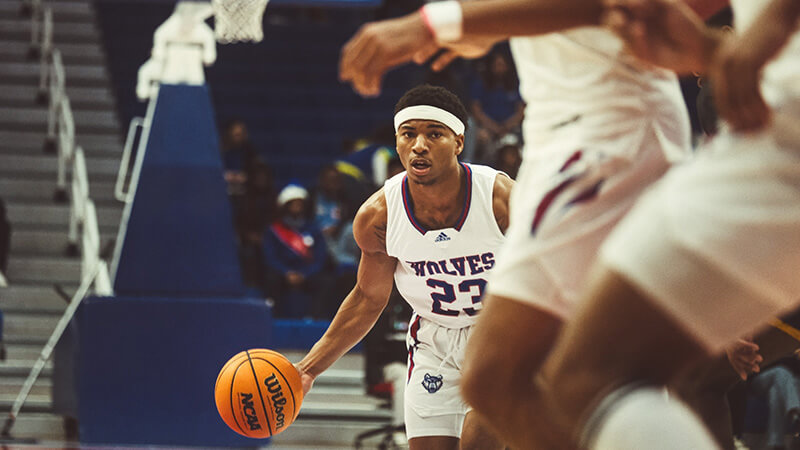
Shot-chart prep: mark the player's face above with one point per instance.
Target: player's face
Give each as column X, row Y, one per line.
column 428, row 149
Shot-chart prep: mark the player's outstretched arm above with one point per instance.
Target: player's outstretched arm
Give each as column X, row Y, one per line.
column 468, row 29
column 363, row 305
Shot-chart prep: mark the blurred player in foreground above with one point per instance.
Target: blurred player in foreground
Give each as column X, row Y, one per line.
column 435, row 230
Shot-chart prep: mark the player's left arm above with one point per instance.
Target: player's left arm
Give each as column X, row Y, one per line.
column 500, row 196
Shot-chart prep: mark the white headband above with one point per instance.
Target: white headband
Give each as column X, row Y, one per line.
column 427, row 112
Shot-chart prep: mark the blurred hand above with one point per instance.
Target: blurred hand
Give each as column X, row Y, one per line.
column 744, row 358
column 736, row 75
column 665, row 33
column 379, row 46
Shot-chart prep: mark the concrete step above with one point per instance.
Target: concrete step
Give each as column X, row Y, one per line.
column 25, row 352
column 46, row 243
column 48, row 164
column 48, row 215
column 41, row 426
column 62, row 11
column 43, row 269
column 23, row 324
column 325, row 434
column 25, row 189
column 35, row 119
column 74, row 31
column 90, row 99
column 11, row 386
column 71, row 54
column 15, row 368
column 34, row 403
column 93, row 143
column 32, row 298
column 31, row 69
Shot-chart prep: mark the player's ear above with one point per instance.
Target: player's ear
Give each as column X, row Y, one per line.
column 459, row 144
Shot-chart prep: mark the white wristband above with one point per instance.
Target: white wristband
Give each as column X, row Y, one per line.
column 443, row 19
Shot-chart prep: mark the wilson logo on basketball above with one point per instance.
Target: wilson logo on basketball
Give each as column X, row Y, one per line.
column 250, row 411
column 274, row 387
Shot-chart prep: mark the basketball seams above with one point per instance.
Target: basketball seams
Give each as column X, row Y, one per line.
column 295, row 409
column 260, row 395
column 233, row 410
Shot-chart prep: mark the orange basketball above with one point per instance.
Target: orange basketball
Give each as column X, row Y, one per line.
column 258, row 393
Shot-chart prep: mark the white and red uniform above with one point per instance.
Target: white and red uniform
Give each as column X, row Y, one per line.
column 717, row 243
column 442, row 275
column 599, row 129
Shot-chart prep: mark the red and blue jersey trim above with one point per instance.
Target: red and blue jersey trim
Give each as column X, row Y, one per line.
column 413, row 330
column 464, row 211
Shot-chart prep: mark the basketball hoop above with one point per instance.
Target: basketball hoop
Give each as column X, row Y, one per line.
column 238, row 20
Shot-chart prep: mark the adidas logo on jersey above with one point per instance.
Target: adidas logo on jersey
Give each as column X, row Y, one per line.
column 442, row 237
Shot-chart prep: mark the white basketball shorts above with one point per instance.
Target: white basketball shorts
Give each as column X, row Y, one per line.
column 566, row 201
column 716, row 244
column 433, row 403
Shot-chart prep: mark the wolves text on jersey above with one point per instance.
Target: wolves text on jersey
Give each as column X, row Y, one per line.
column 460, row 266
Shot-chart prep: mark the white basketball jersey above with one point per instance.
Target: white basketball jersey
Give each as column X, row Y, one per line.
column 442, row 273
column 583, row 77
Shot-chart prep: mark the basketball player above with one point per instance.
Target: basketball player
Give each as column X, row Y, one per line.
column 712, row 251
column 435, row 230
column 600, row 127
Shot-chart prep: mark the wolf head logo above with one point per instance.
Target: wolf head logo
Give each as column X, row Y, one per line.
column 432, row 383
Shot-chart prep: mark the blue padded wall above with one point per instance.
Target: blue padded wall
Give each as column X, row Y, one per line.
column 147, row 368
column 180, row 239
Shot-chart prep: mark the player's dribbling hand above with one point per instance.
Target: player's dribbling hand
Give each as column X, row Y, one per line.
column 744, row 358
column 380, row 46
column 305, row 378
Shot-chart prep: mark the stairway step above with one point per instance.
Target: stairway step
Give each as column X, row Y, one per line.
column 31, row 69
column 62, row 11
column 15, row 140
column 74, row 32
column 20, row 368
column 43, row 269
column 26, row 352
column 11, row 386
column 325, row 434
column 40, row 426
column 24, row 189
column 47, row 214
column 32, row 298
column 45, row 243
column 45, row 163
column 23, row 324
column 81, row 98
column 71, row 54
column 34, row 403
column 36, row 119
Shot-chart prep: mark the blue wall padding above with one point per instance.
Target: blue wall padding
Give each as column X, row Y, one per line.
column 148, row 367
column 179, row 239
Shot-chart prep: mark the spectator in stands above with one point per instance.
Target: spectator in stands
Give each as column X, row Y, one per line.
column 238, row 155
column 330, row 203
column 295, row 255
column 780, row 387
column 258, row 209
column 508, row 157
column 496, row 104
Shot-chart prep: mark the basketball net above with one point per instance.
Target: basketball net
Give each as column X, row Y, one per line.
column 238, row 20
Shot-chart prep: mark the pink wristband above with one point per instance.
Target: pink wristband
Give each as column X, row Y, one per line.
column 443, row 20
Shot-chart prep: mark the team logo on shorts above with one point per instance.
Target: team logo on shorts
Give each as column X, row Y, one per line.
column 432, row 383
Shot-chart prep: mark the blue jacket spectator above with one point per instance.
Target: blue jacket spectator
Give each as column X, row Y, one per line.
column 295, row 253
